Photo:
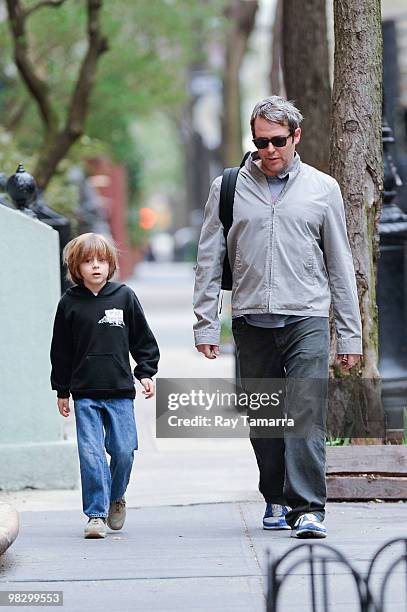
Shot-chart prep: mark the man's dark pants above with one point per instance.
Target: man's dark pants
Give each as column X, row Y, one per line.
column 292, row 468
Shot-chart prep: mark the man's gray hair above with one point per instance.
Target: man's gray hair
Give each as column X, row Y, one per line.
column 277, row 110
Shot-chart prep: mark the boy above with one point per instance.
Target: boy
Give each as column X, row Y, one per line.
column 97, row 324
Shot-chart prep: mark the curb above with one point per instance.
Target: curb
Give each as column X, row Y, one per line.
column 9, row 526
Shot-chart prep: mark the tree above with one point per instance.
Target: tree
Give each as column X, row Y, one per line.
column 241, row 15
column 150, row 46
column 306, row 75
column 276, row 83
column 59, row 136
column 356, row 150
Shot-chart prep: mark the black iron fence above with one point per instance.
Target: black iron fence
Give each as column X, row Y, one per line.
column 316, row 587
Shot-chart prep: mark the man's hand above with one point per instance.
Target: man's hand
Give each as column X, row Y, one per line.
column 148, row 385
column 211, row 351
column 63, row 406
column 346, row 362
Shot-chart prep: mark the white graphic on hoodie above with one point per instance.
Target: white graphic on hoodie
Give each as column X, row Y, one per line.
column 113, row 317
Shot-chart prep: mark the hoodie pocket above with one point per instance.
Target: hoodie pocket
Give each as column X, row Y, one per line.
column 101, row 371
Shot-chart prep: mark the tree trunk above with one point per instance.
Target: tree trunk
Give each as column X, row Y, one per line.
column 276, row 80
column 356, row 152
column 306, row 75
column 242, row 13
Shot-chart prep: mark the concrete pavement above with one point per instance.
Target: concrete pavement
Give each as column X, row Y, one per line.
column 196, row 558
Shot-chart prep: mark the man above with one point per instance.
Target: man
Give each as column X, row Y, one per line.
column 290, row 257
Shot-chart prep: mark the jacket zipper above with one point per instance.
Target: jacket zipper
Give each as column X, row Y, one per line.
column 273, row 206
column 271, row 255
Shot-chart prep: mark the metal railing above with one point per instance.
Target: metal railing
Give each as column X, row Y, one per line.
column 369, row 590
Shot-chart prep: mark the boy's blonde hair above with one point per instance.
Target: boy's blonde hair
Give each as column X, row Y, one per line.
column 84, row 247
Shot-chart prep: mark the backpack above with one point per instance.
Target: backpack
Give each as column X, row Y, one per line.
column 226, row 201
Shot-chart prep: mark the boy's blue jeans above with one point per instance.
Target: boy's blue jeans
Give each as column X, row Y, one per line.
column 104, row 424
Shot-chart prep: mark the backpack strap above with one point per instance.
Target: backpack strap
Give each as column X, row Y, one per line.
column 227, row 197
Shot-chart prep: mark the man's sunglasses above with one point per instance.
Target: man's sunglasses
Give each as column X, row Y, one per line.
column 276, row 141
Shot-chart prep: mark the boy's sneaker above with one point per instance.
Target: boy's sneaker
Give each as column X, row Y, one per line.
column 308, row 526
column 274, row 517
column 117, row 514
column 96, row 528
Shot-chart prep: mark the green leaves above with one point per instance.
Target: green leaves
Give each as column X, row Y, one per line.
column 151, row 45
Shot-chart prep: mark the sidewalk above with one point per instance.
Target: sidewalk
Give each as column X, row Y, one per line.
column 193, row 539
column 205, row 557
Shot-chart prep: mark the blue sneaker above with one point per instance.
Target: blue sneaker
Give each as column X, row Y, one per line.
column 308, row 526
column 274, row 517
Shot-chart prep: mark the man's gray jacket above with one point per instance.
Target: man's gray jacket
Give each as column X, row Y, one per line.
column 290, row 258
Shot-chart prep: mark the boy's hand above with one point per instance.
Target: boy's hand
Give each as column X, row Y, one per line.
column 63, row 406
column 148, row 387
column 211, row 351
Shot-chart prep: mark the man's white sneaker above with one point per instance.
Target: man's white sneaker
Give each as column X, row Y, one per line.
column 95, row 528
column 117, row 514
column 308, row 526
column 274, row 517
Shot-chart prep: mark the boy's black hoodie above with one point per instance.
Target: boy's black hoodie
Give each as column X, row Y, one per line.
column 92, row 338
